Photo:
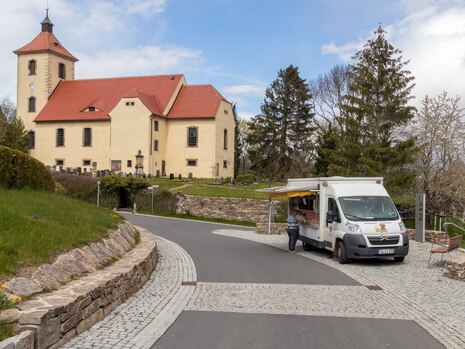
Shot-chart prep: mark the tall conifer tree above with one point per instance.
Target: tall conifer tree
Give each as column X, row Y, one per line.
column 283, row 131
column 375, row 108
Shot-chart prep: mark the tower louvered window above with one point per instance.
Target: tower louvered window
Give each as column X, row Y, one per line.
column 32, row 67
column 32, row 105
column 61, row 71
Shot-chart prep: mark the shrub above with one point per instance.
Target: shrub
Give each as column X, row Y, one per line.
column 163, row 201
column 248, row 178
column 19, row 170
column 78, row 187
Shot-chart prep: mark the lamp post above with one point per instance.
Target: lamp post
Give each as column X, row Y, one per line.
column 267, row 156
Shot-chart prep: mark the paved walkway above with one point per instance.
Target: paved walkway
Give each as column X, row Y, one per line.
column 410, row 291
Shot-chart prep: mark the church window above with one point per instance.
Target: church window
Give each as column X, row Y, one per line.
column 32, row 105
column 155, row 125
column 31, row 139
column 59, row 162
column 32, row 67
column 87, row 137
column 129, row 104
column 225, row 139
column 225, row 163
column 191, row 162
column 60, row 141
column 129, row 163
column 155, row 145
column 86, row 162
column 192, row 138
column 61, row 71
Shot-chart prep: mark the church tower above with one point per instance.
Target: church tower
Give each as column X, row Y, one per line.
column 42, row 64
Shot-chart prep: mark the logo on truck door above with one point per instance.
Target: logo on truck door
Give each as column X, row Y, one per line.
column 381, row 229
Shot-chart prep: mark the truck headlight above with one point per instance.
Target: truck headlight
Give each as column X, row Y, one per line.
column 402, row 227
column 352, row 227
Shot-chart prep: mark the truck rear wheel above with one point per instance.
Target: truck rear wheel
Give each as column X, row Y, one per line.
column 306, row 247
column 341, row 253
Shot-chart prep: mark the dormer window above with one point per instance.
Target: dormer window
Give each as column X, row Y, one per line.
column 61, row 71
column 32, row 67
column 91, row 109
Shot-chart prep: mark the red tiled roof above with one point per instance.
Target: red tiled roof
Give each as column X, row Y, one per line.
column 72, row 97
column 150, row 101
column 196, row 101
column 45, row 42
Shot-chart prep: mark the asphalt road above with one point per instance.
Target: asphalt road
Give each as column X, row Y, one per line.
column 224, row 259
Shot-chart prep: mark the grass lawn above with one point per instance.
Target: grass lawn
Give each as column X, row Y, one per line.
column 36, row 226
column 213, row 188
column 6, row 330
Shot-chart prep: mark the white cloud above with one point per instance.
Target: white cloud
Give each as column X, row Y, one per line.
column 246, row 89
column 432, row 38
column 147, row 60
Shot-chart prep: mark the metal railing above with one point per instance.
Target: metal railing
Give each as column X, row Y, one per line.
column 446, row 224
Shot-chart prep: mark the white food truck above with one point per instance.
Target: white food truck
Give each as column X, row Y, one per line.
column 354, row 217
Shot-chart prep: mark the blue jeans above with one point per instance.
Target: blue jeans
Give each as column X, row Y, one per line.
column 293, row 237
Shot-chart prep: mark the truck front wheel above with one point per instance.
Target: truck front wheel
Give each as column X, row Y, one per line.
column 341, row 253
column 399, row 259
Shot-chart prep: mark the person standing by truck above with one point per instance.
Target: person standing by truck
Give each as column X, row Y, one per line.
column 292, row 230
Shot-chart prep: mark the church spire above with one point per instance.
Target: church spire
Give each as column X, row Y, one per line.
column 47, row 25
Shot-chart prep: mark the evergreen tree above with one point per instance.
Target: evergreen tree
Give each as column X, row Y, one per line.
column 281, row 134
column 374, row 110
column 238, row 146
column 12, row 131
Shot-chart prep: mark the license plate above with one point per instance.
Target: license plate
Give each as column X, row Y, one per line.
column 386, row 251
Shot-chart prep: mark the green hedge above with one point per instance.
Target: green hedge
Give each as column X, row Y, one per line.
column 19, row 170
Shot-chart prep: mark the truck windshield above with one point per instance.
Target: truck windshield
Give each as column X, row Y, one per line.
column 368, row 208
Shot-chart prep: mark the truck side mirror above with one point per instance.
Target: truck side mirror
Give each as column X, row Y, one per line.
column 329, row 218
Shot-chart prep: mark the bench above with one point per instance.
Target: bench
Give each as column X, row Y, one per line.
column 454, row 244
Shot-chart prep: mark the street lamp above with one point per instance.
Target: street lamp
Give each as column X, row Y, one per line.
column 267, row 156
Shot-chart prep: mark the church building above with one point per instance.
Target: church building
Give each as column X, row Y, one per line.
column 103, row 124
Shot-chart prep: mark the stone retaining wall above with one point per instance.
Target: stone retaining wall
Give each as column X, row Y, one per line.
column 433, row 236
column 49, row 320
column 227, row 208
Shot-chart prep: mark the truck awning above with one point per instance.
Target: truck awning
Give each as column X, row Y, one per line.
column 290, row 191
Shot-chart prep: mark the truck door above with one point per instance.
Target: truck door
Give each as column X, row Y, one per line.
column 330, row 228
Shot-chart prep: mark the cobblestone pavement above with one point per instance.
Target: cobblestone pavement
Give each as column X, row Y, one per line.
column 410, row 290
column 140, row 321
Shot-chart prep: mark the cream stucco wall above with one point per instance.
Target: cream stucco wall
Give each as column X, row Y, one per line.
column 161, row 135
column 177, row 151
column 224, row 120
column 73, row 153
column 130, row 132
column 45, row 81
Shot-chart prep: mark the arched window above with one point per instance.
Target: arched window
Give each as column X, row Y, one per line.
column 61, row 71
column 225, row 139
column 32, row 67
column 60, row 141
column 31, row 139
column 32, row 105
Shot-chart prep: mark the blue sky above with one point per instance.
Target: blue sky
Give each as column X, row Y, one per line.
column 239, row 45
